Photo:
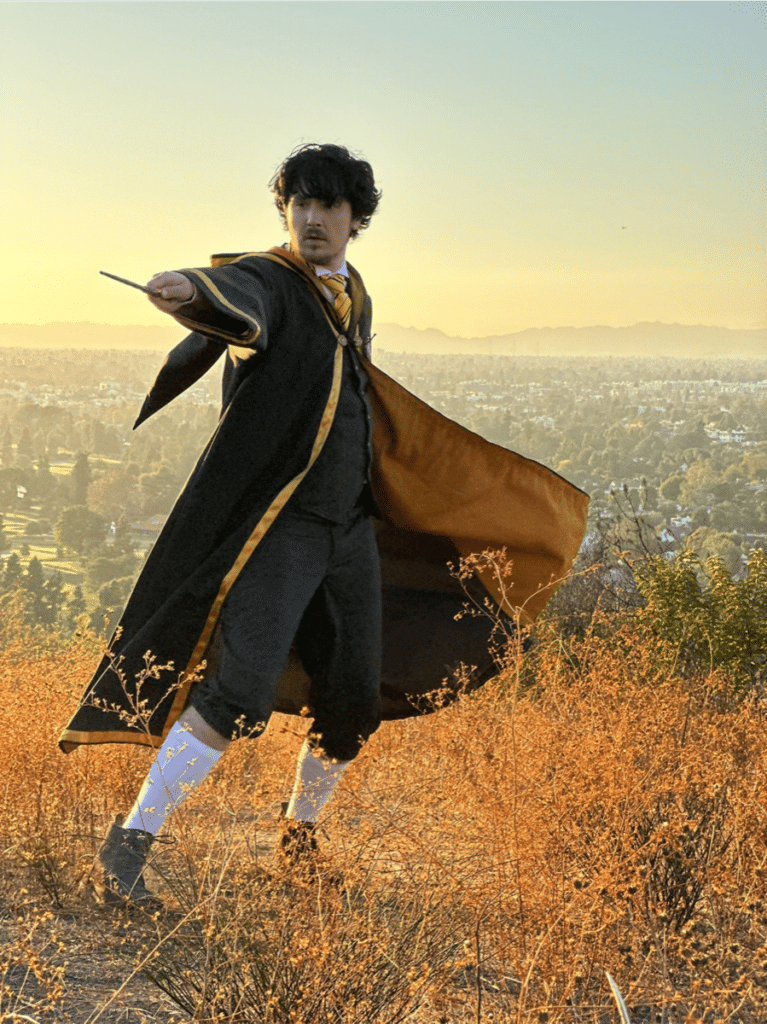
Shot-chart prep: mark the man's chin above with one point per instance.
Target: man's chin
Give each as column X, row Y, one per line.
column 318, row 255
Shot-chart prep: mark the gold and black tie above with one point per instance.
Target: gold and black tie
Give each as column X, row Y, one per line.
column 341, row 301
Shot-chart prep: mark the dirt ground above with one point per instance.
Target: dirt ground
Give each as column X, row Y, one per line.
column 100, row 947
column 98, row 980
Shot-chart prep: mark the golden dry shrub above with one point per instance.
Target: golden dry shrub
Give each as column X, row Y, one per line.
column 608, row 818
column 52, row 807
column 584, row 812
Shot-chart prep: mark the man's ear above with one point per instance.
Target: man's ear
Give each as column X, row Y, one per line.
column 355, row 226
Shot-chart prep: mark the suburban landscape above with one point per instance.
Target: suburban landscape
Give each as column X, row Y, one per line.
column 673, row 449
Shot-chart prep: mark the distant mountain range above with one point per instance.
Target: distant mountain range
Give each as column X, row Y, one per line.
column 648, row 340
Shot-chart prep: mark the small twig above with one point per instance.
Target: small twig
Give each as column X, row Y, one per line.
column 622, row 1009
column 479, row 970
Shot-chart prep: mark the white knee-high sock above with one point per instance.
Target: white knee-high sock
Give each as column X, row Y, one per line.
column 182, row 763
column 316, row 779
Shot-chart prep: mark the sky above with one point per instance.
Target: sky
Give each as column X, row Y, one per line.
column 542, row 163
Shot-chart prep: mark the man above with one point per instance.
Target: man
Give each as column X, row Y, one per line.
column 270, row 548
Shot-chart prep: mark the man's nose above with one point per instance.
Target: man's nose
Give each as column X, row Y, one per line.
column 313, row 213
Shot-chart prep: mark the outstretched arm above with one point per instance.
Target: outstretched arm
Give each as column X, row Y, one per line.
column 224, row 303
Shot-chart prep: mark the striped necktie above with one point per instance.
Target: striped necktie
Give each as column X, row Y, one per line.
column 341, row 301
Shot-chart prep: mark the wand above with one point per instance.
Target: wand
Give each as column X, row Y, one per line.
column 141, row 287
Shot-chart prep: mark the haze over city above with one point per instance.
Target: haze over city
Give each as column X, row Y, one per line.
column 542, row 164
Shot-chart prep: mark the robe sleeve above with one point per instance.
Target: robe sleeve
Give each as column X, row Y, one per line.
column 232, row 304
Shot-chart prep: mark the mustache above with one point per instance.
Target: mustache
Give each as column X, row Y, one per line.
column 315, row 234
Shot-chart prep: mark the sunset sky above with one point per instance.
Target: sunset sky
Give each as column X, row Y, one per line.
column 542, row 164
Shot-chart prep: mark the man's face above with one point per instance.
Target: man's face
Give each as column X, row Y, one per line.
column 319, row 232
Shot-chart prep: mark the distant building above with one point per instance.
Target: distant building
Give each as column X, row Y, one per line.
column 149, row 529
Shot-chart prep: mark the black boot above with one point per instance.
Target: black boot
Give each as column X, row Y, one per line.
column 300, row 857
column 122, row 859
column 298, row 845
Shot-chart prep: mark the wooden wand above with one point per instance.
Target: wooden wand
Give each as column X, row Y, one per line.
column 141, row 287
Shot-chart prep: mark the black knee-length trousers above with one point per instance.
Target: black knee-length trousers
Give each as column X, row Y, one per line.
column 318, row 583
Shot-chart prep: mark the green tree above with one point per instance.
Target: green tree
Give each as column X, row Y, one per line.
column 54, row 599
column 6, row 446
column 33, row 582
column 81, row 477
column 24, row 447
column 700, row 517
column 158, row 490
column 708, row 543
column 43, row 481
column 75, row 608
column 671, row 487
column 114, row 593
column 101, row 570
column 115, row 494
column 699, row 618
column 726, row 516
column 40, row 598
column 44, row 597
column 78, row 528
column 12, row 572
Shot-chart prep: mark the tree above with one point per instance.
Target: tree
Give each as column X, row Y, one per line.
column 158, row 490
column 6, row 446
column 81, row 477
column 700, row 517
column 12, row 573
column 78, row 528
column 671, row 487
column 33, row 582
column 43, row 481
column 11, row 479
column 699, row 617
column 35, row 527
column 75, row 608
column 707, row 543
column 42, row 598
column 113, row 594
column 54, row 599
column 726, row 516
column 115, row 494
column 101, row 570
column 24, row 447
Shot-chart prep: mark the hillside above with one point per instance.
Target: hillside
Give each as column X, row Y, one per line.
column 648, row 340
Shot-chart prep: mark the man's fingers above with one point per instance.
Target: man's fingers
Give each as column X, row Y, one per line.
column 172, row 286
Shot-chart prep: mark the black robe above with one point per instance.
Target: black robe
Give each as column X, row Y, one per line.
column 441, row 492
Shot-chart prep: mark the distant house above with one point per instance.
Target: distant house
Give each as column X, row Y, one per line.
column 149, row 529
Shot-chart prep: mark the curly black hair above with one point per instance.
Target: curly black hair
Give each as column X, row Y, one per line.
column 328, row 173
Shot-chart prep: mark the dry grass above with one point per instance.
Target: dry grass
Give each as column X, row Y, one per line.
column 584, row 813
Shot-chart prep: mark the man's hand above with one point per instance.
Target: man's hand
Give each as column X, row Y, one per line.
column 175, row 290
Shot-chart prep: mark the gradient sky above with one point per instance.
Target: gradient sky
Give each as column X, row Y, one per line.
column 542, row 163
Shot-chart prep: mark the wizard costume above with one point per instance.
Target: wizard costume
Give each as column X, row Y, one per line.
column 437, row 492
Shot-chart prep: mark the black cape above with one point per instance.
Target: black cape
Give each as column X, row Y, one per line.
column 441, row 492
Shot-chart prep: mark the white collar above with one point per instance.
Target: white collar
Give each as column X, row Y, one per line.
column 324, row 272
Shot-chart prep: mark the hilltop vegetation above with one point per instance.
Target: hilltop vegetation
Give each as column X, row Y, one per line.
column 600, row 806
